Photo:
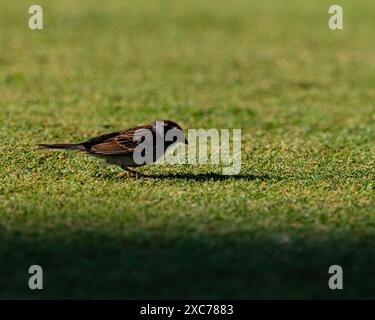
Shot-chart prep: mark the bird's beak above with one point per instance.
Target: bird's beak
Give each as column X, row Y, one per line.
column 186, row 142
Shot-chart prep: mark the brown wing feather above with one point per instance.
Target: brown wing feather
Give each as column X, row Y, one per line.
column 117, row 143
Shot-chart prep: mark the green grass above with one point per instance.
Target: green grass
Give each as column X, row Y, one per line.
column 302, row 94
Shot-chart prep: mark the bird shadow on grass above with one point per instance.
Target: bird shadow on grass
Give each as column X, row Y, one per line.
column 199, row 177
column 211, row 176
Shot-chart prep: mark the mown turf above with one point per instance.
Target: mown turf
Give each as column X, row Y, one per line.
column 302, row 94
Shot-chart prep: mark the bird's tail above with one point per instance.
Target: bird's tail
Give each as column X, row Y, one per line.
column 62, row 146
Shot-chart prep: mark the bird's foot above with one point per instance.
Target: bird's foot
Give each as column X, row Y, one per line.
column 136, row 175
column 122, row 175
column 133, row 173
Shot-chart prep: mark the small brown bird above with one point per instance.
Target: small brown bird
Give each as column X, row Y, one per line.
column 131, row 147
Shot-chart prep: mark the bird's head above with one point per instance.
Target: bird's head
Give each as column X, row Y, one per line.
column 171, row 131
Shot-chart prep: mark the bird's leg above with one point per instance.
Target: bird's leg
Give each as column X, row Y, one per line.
column 133, row 173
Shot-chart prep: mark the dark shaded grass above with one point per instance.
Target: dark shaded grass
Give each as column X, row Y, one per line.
column 160, row 264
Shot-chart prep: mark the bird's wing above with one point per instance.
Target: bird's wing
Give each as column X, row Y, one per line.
column 118, row 143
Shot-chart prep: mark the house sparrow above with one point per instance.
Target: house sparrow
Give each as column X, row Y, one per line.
column 131, row 147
